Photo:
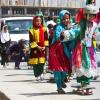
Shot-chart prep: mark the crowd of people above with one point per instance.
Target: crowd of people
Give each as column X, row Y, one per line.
column 72, row 46
column 11, row 51
column 68, row 47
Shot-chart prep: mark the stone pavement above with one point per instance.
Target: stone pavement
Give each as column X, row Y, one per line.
column 21, row 85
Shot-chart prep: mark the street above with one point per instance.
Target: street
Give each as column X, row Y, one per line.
column 21, row 85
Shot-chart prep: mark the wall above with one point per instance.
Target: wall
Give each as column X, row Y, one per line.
column 47, row 3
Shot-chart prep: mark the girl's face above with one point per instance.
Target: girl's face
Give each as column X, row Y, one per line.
column 66, row 19
column 38, row 21
column 5, row 29
column 93, row 2
column 90, row 17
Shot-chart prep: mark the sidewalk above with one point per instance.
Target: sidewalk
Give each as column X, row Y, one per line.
column 21, row 85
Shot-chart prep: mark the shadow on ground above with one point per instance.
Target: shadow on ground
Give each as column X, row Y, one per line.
column 19, row 75
column 39, row 94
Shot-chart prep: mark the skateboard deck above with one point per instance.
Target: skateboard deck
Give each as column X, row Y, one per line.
column 86, row 90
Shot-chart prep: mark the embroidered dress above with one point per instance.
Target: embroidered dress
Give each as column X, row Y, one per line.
column 58, row 60
column 37, row 37
column 38, row 41
column 60, row 55
column 59, row 63
column 85, row 63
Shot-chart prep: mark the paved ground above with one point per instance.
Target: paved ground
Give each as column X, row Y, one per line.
column 21, row 85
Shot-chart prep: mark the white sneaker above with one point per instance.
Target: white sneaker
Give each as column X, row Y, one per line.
column 37, row 78
column 42, row 77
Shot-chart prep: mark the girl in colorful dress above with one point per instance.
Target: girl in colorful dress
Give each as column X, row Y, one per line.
column 38, row 41
column 85, row 51
column 60, row 52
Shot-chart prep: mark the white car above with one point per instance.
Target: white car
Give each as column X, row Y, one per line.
column 18, row 27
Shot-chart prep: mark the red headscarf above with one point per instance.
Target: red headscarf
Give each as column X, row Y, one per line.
column 41, row 32
column 34, row 22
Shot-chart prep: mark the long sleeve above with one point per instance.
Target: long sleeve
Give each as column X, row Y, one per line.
column 75, row 32
column 57, row 33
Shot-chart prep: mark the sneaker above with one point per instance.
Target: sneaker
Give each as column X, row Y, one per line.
column 37, row 78
column 41, row 77
column 63, row 85
column 61, row 91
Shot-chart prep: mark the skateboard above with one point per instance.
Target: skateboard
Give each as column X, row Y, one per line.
column 85, row 90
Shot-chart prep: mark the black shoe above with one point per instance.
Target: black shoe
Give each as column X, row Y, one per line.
column 63, row 85
column 61, row 91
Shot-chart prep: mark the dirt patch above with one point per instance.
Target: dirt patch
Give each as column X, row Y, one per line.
column 3, row 96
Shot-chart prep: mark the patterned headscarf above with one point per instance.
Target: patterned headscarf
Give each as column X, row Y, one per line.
column 62, row 13
column 40, row 14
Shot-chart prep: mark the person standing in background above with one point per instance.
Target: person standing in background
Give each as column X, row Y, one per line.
column 5, row 43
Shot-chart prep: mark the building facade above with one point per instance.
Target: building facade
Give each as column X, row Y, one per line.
column 31, row 7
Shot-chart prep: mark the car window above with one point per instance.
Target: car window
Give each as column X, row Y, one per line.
column 18, row 25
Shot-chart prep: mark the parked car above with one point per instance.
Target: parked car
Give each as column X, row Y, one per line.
column 18, row 27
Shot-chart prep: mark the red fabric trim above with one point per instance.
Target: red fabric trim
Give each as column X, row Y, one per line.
column 41, row 37
column 58, row 61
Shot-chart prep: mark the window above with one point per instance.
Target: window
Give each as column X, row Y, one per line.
column 18, row 26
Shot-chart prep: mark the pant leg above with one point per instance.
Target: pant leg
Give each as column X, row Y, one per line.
column 3, row 59
column 17, row 61
column 63, row 76
column 3, row 56
column 58, row 79
column 38, row 69
column 22, row 54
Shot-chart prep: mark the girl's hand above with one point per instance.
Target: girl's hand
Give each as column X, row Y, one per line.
column 43, row 48
column 39, row 48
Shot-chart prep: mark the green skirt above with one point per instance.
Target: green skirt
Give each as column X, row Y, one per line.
column 38, row 69
column 84, row 79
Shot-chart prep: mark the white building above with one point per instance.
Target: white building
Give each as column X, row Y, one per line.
column 31, row 7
